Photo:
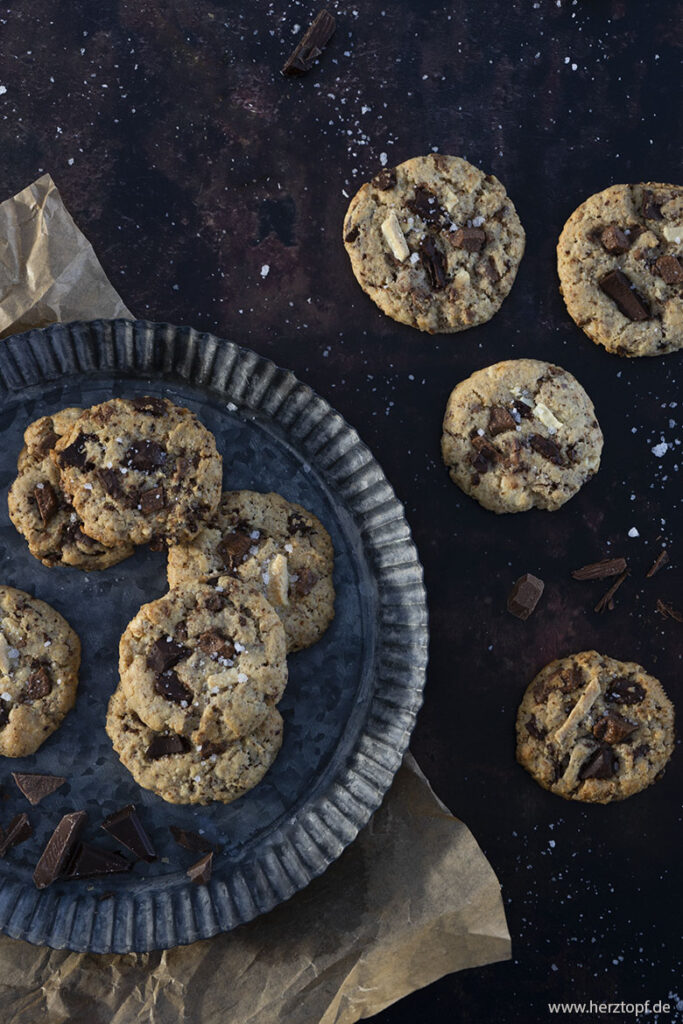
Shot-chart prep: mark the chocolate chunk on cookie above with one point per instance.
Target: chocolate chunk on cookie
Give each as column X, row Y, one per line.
column 575, row 743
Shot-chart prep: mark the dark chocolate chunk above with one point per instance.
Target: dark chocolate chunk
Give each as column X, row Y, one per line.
column 600, row 765
column 660, row 561
column 305, row 583
column 600, row 570
column 75, row 455
column 524, row 411
column 169, row 686
column 209, row 749
column 500, row 420
column 213, row 643
column 624, row 691
column 352, row 234
column 165, row 653
column 641, row 750
column 234, row 548
column 38, row 684
column 200, row 872
column 47, row 442
column 4, row 713
column 567, row 681
column 126, row 828
column 650, row 206
column 153, row 500
column 59, row 849
column 534, row 729
column 110, row 481
column 469, row 239
column 165, row 744
column 434, row 264
column 191, row 840
column 425, row 205
column 313, row 42
column 614, row 239
column 613, row 728
column 606, row 602
column 669, row 269
column 668, row 611
column 617, row 287
column 214, row 602
column 36, row 787
column 18, row 830
column 46, row 500
column 491, row 272
column 385, row 180
column 150, row 405
column 547, row 448
column 88, row 861
column 145, row 455
column 525, row 595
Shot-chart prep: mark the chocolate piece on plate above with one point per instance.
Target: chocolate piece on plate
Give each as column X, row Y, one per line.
column 313, row 42
column 89, row 861
column 18, row 830
column 601, row 570
column 59, row 849
column 36, row 787
column 200, row 872
column 525, row 595
column 127, row 829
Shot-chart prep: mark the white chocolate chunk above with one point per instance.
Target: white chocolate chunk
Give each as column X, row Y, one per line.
column 673, row 232
column 391, row 229
column 4, row 655
column 544, row 414
column 562, row 736
column 277, row 589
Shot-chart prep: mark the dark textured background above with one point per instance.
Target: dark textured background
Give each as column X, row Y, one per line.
column 191, row 164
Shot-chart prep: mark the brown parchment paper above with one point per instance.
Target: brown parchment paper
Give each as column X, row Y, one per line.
column 412, row 899
column 48, row 269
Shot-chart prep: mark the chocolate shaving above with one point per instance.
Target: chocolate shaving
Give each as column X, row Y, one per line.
column 59, row 849
column 385, row 180
column 606, row 602
column 469, row 239
column 525, row 595
column 191, row 840
column 46, row 500
column 165, row 653
column 424, row 204
column 127, row 829
column 313, row 42
column 600, row 570
column 200, row 872
column 614, row 239
column 36, row 787
column 669, row 269
column 600, row 765
column 171, row 688
column 165, row 744
column 547, row 449
column 433, row 263
column 660, row 561
column 500, row 420
column 150, row 405
column 617, row 287
column 153, row 500
column 18, row 831
column 668, row 611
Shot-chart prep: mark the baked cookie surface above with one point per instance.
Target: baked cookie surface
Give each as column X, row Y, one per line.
column 205, row 661
column 140, row 469
column 275, row 546
column 521, row 434
column 40, row 655
column 41, row 511
column 434, row 242
column 182, row 772
column 620, row 262
column 594, row 729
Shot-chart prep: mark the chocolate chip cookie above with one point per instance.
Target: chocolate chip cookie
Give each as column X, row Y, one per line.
column 183, row 772
column 273, row 545
column 39, row 660
column 594, row 729
column 434, row 242
column 521, row 434
column 620, row 261
column 139, row 469
column 205, row 661
column 41, row 511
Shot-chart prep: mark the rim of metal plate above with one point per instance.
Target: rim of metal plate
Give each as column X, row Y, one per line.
column 302, row 847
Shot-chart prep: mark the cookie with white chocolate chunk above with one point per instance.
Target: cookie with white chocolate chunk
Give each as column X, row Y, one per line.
column 274, row 545
column 620, row 262
column 594, row 729
column 434, row 242
column 520, row 434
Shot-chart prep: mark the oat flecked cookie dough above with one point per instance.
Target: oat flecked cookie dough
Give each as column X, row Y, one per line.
column 204, row 661
column 274, row 545
column 41, row 511
column 181, row 772
column 620, row 261
column 594, row 729
column 39, row 660
column 435, row 242
column 521, row 434
column 138, row 470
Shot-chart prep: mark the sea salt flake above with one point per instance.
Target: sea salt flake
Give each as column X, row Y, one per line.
column 633, row 532
column 242, row 677
column 265, row 270
column 660, row 449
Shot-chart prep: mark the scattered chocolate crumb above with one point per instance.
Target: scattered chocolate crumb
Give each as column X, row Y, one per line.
column 313, row 42
column 525, row 595
column 660, row 561
column 606, row 602
column 600, row 570
column 668, row 611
